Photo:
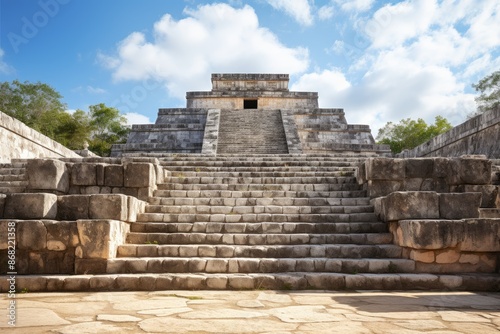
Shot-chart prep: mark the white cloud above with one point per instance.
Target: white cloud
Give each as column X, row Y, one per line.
column 395, row 24
column 420, row 62
column 325, row 12
column 300, row 10
column 212, row 39
column 95, row 90
column 4, row 67
column 135, row 118
column 355, row 5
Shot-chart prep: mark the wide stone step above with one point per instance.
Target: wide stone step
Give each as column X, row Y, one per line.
column 14, row 184
column 212, row 198
column 204, row 227
column 257, row 217
column 12, row 177
column 258, row 239
column 319, row 187
column 12, row 171
column 259, row 174
column 250, row 265
column 11, row 190
column 278, row 251
column 257, row 209
column 263, row 180
column 257, row 163
column 271, row 281
column 293, row 169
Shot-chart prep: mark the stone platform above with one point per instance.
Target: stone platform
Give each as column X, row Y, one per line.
column 255, row 312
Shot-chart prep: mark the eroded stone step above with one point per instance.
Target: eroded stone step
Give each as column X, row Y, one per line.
column 13, row 184
column 212, row 197
column 278, row 251
column 275, row 281
column 249, row 265
column 258, row 239
column 12, row 177
column 261, row 174
column 256, row 163
column 194, row 194
column 347, row 178
column 257, row 217
column 257, row 209
column 11, row 190
column 266, row 227
column 260, row 187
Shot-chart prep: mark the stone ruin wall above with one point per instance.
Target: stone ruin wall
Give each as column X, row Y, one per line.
column 478, row 135
column 22, row 142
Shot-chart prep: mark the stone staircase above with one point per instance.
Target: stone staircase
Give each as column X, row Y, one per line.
column 275, row 222
column 13, row 177
column 251, row 132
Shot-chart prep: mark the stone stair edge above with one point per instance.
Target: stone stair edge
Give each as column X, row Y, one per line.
column 277, row 281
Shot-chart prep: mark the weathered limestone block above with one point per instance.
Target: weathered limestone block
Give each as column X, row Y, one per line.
column 99, row 239
column 47, row 174
column 491, row 194
column 441, row 168
column 139, row 175
column 469, row 235
column 425, row 256
column 410, row 205
column 481, row 235
column 73, row 207
column 379, row 188
column 31, row 235
column 61, row 235
column 418, row 184
column 135, row 206
column 113, row 175
column 2, row 204
column 421, row 168
column 100, row 174
column 31, row 206
column 385, row 169
column 459, row 205
column 474, row 169
column 108, row 206
column 429, row 234
column 84, row 174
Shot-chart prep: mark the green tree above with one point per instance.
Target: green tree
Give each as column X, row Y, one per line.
column 409, row 133
column 108, row 128
column 39, row 106
column 489, row 89
column 28, row 102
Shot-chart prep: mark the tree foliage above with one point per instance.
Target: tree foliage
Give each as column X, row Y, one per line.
column 409, row 133
column 489, row 89
column 108, row 128
column 39, row 106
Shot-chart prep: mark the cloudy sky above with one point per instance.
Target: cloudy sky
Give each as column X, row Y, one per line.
column 379, row 60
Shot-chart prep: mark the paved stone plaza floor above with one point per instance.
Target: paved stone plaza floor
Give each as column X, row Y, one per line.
column 254, row 312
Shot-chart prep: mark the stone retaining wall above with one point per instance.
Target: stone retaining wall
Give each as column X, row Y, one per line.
column 478, row 135
column 433, row 208
column 22, row 142
column 69, row 234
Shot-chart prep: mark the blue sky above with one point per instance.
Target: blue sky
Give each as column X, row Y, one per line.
column 379, row 60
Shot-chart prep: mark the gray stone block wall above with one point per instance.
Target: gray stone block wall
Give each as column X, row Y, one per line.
column 478, row 135
column 22, row 142
column 178, row 130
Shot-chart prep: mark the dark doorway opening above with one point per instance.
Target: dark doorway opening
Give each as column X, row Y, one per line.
column 249, row 104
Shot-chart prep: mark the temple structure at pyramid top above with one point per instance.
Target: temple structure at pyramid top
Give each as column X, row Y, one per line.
column 250, row 114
